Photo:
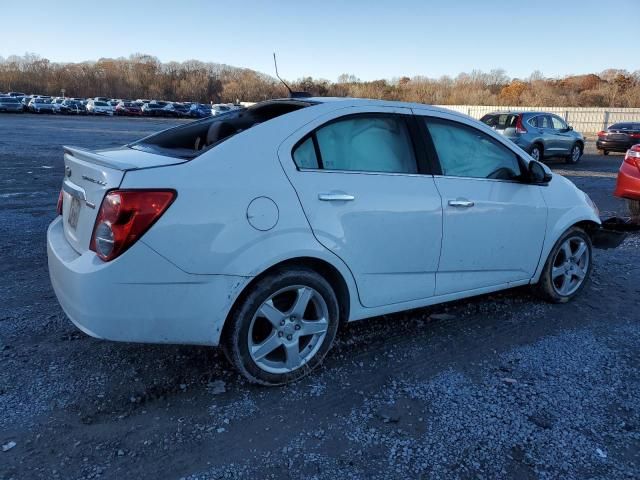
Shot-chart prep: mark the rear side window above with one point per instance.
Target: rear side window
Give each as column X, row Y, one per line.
column 305, row 155
column 466, row 152
column 364, row 143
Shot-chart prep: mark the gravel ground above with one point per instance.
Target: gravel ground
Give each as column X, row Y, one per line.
column 499, row 386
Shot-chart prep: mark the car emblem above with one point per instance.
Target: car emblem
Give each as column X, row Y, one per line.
column 93, row 180
column 67, row 170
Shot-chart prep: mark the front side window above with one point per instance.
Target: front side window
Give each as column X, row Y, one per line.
column 364, row 143
column 466, row 152
column 558, row 124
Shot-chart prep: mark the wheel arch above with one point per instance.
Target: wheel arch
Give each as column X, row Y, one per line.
column 589, row 225
column 324, row 268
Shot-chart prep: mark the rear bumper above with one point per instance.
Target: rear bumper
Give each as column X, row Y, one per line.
column 614, row 146
column 138, row 297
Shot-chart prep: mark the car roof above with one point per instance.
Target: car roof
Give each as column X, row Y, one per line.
column 351, row 101
column 519, row 112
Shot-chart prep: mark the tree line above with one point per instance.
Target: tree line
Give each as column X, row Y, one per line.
column 144, row 76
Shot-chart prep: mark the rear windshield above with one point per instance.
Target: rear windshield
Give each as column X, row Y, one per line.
column 500, row 121
column 625, row 126
column 190, row 140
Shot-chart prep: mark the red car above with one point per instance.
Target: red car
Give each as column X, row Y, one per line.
column 628, row 183
column 128, row 108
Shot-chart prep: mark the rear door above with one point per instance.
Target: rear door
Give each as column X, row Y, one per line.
column 364, row 189
column 493, row 224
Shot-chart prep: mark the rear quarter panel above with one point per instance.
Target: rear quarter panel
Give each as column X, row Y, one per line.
column 206, row 230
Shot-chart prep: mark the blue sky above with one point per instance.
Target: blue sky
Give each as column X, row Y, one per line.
column 370, row 39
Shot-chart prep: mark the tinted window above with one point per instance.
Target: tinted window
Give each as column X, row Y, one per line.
column 9, row 100
column 544, row 121
column 305, row 155
column 100, row 104
column 623, row 126
column 557, row 123
column 501, row 121
column 466, row 152
column 377, row 143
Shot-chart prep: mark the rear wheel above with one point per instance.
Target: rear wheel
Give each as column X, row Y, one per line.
column 574, row 154
column 536, row 152
column 567, row 268
column 283, row 328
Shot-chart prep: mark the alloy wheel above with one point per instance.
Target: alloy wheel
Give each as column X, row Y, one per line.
column 288, row 329
column 575, row 153
column 535, row 153
column 570, row 266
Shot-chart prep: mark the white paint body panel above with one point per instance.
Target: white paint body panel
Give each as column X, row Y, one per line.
column 178, row 283
column 389, row 234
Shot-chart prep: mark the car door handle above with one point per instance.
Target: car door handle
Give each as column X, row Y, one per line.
column 335, row 197
column 461, row 203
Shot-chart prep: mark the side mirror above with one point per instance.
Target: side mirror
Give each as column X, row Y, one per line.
column 537, row 173
column 569, row 127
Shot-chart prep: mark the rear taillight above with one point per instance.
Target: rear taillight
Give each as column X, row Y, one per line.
column 519, row 127
column 632, row 157
column 634, row 135
column 602, row 133
column 124, row 216
column 59, row 205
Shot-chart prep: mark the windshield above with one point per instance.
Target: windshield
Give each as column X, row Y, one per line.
column 100, row 104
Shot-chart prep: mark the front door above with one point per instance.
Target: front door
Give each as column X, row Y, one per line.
column 493, row 224
column 359, row 184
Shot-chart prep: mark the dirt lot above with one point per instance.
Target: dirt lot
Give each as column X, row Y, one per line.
column 501, row 386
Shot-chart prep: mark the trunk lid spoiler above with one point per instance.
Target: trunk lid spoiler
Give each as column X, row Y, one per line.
column 121, row 158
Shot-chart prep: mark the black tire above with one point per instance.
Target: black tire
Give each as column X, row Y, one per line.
column 235, row 341
column 605, row 152
column 571, row 159
column 532, row 151
column 634, row 208
column 545, row 287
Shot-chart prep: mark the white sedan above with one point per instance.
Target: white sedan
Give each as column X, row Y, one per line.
column 263, row 229
column 98, row 107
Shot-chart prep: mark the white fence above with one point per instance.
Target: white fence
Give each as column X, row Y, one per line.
column 584, row 120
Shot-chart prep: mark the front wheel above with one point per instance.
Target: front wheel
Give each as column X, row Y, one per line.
column 574, row 155
column 283, row 328
column 567, row 268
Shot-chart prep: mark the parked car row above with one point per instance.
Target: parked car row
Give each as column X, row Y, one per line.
column 19, row 102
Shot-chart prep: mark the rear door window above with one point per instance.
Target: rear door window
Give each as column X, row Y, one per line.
column 364, row 143
column 544, row 121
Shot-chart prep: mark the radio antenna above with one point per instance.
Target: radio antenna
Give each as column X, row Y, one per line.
column 275, row 63
column 292, row 94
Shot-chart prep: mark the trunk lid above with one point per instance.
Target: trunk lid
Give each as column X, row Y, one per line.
column 88, row 176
